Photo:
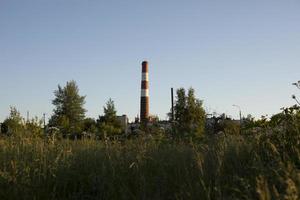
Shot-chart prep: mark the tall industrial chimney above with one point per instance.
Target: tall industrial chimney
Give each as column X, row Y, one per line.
column 145, row 93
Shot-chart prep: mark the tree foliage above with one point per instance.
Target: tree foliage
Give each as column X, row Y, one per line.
column 223, row 124
column 90, row 125
column 189, row 114
column 34, row 127
column 69, row 111
column 109, row 124
column 14, row 124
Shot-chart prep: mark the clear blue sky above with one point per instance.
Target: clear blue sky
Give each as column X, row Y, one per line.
column 231, row 52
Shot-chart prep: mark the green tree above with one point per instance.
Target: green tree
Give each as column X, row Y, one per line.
column 109, row 124
column 14, row 124
column 69, row 112
column 180, row 109
column 189, row 114
column 90, row 125
column 34, row 127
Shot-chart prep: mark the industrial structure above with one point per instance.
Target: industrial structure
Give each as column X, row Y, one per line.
column 144, row 115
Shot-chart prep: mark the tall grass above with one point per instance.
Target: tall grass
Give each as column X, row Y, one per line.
column 217, row 167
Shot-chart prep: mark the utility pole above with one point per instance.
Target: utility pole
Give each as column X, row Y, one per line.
column 172, row 102
column 240, row 113
column 27, row 120
column 44, row 119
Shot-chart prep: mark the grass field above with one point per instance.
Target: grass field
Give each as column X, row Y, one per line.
column 265, row 166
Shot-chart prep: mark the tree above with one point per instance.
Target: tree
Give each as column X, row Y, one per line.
column 189, row 114
column 109, row 124
column 69, row 112
column 90, row 126
column 34, row 127
column 14, row 124
column 180, row 109
column 195, row 113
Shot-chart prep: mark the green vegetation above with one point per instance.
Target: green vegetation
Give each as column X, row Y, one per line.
column 108, row 124
column 189, row 114
column 15, row 125
column 258, row 160
column 262, row 164
column 216, row 168
column 69, row 113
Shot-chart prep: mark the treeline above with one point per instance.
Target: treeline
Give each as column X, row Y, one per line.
column 193, row 159
column 69, row 119
column 188, row 120
column 263, row 163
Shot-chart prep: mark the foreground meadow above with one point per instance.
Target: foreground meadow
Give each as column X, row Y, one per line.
column 265, row 166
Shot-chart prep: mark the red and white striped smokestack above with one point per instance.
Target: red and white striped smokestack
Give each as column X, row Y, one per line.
column 145, row 93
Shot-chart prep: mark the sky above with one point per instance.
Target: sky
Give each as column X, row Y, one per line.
column 231, row 52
